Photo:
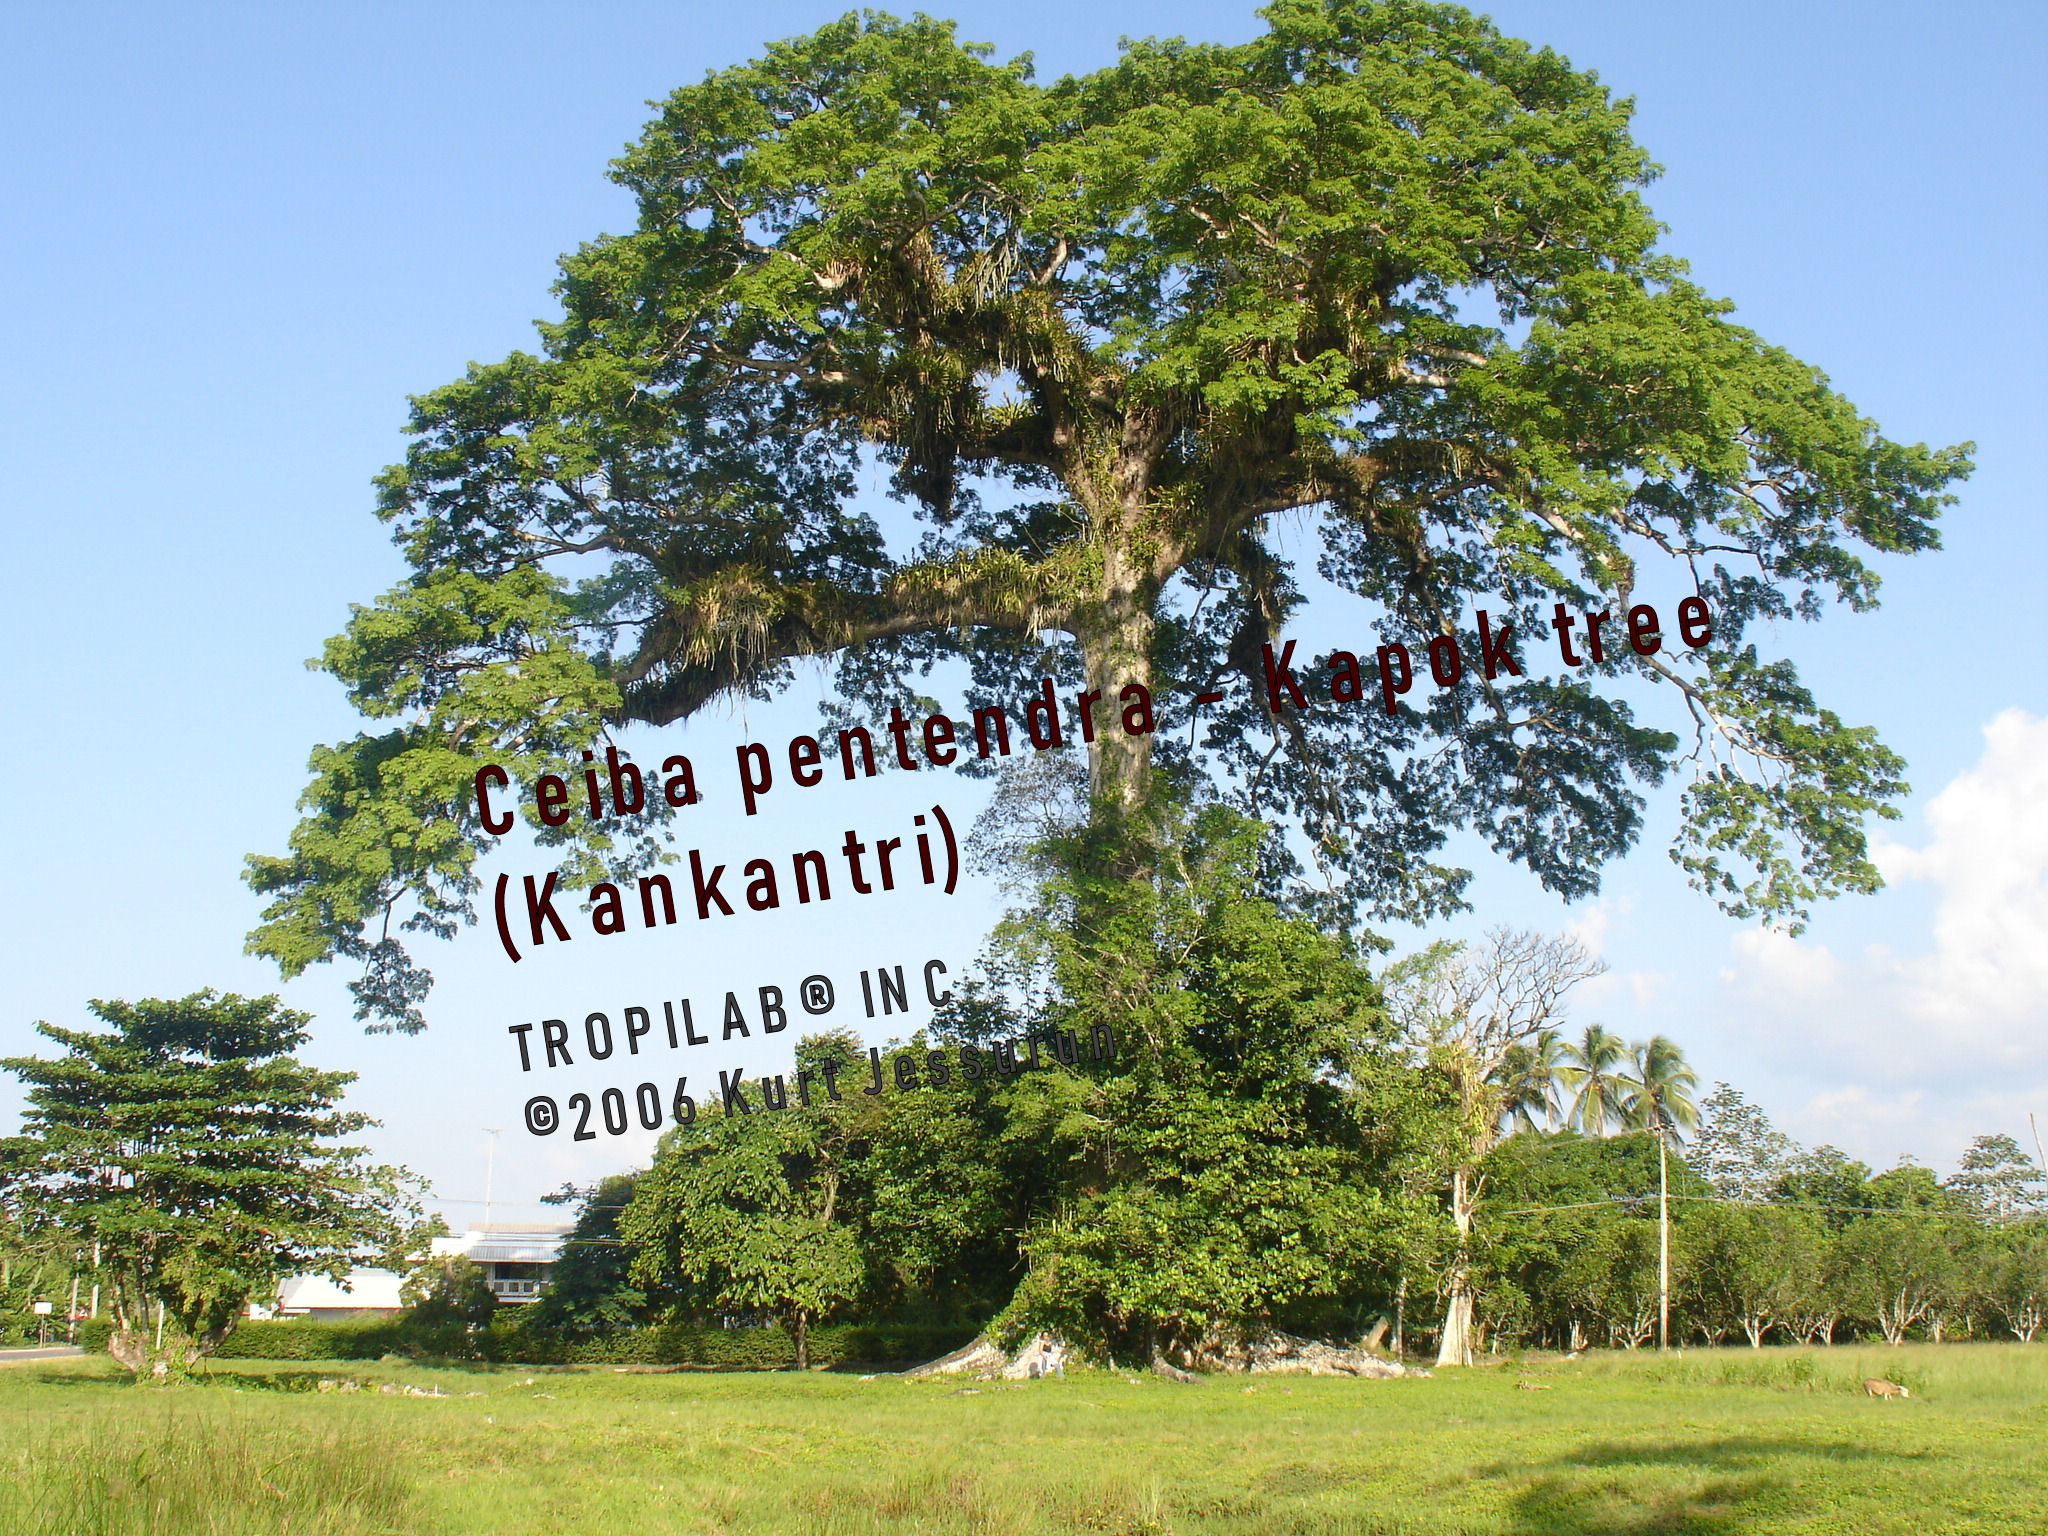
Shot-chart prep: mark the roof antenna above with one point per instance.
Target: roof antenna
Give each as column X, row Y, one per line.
column 491, row 1169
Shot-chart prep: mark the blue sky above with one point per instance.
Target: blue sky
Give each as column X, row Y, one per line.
column 238, row 237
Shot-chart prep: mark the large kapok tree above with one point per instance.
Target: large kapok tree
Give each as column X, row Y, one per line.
column 1381, row 268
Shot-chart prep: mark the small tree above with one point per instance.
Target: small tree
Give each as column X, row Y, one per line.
column 1997, row 1180
column 1738, row 1150
column 32, row 1269
column 591, row 1289
column 1895, row 1270
column 204, row 1161
column 448, row 1302
column 1614, row 1277
column 1812, row 1314
column 1460, row 1013
column 1751, row 1269
column 746, row 1209
column 1549, row 1196
column 1237, row 1165
column 2016, row 1279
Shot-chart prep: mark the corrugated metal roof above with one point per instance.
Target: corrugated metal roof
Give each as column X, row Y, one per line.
column 504, row 1243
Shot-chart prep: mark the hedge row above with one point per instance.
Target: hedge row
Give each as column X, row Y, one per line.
column 739, row 1349
column 366, row 1338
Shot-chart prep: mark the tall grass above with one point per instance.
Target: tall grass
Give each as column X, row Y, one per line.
column 2014, row 1377
column 193, row 1473
column 1729, row 1442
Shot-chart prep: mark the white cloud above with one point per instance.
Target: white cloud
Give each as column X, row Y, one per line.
column 1945, row 1037
column 1984, row 983
column 1606, row 919
column 1773, row 964
column 1590, row 927
column 1859, row 1118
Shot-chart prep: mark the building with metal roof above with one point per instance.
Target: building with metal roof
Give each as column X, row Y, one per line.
column 515, row 1259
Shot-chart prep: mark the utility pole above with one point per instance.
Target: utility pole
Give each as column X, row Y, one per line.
column 490, row 1168
column 1663, row 1245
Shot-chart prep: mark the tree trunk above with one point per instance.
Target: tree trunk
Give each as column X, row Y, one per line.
column 154, row 1364
column 154, row 1346
column 1893, row 1321
column 1455, row 1348
column 1116, row 651
column 154, row 1342
column 803, row 1341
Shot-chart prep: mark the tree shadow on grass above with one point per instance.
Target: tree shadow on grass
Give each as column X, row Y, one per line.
column 1709, row 1487
column 100, row 1380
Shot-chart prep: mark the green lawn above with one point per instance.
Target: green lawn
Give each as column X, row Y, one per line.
column 1720, row 1441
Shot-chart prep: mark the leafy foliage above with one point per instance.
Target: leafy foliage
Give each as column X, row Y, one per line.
column 1997, row 1180
column 205, row 1162
column 589, row 1289
column 1660, row 1090
column 32, row 1269
column 1751, row 1268
column 1896, row 1270
column 1549, row 1197
column 746, row 1209
column 1468, row 1020
column 1594, row 1073
column 1613, row 1278
column 1381, row 266
column 448, row 1302
column 1738, row 1150
column 1222, row 1173
column 2015, row 1281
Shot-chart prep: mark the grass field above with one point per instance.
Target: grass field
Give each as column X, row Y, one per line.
column 1707, row 1441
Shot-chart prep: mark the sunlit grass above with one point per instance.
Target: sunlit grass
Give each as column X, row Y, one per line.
column 153, row 1469
column 1715, row 1441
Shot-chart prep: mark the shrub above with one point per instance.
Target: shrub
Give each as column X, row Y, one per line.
column 733, row 1349
column 301, row 1339
column 506, row 1342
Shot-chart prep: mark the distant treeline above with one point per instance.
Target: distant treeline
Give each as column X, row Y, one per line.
column 1289, row 1135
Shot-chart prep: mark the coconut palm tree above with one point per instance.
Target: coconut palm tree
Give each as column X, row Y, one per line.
column 1528, row 1085
column 1600, row 1092
column 1659, row 1099
column 1660, row 1093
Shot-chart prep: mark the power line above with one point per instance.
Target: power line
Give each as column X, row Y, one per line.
column 1768, row 1205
